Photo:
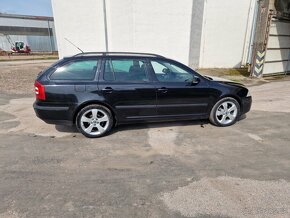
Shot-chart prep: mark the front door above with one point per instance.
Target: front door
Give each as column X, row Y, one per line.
column 180, row 92
column 125, row 85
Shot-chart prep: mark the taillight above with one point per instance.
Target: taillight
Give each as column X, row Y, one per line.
column 39, row 90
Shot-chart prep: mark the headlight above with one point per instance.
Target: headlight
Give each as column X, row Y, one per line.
column 249, row 94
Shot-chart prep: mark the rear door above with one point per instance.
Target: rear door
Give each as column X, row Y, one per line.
column 68, row 81
column 180, row 92
column 67, row 84
column 127, row 87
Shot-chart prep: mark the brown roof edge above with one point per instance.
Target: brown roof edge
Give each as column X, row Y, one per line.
column 30, row 17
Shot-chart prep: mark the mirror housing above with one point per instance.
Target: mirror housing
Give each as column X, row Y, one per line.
column 195, row 80
column 166, row 70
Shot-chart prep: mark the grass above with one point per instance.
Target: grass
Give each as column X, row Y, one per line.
column 29, row 58
column 226, row 71
column 237, row 72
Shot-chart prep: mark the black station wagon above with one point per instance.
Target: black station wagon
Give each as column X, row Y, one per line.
column 96, row 91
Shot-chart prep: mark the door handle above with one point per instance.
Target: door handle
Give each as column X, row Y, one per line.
column 108, row 90
column 163, row 90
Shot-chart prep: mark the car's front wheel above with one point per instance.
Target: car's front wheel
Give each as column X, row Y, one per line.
column 225, row 112
column 94, row 121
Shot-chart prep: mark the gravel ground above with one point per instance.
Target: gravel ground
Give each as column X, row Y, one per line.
column 18, row 78
column 231, row 197
column 175, row 169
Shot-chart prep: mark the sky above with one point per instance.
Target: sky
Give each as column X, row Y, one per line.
column 26, row 7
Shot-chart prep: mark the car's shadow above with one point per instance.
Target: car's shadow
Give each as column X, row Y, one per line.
column 138, row 126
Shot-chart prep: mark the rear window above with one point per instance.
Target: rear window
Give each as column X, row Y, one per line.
column 76, row 70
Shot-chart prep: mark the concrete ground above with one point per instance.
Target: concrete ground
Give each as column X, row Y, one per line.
column 176, row 169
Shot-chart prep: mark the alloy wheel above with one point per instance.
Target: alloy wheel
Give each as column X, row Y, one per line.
column 94, row 122
column 226, row 113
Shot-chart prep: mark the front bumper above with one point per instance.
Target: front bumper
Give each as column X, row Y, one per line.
column 53, row 114
column 246, row 104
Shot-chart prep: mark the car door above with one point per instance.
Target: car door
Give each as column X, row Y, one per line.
column 69, row 81
column 180, row 92
column 127, row 87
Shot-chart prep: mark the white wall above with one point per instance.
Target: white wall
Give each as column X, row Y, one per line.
column 158, row 26
column 81, row 22
column 199, row 33
column 224, row 33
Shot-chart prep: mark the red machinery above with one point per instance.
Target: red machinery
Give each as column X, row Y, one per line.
column 18, row 46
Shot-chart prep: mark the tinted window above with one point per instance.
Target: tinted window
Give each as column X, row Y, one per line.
column 125, row 70
column 168, row 72
column 78, row 70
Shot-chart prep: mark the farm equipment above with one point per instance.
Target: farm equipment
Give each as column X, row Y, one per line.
column 17, row 46
column 20, row 47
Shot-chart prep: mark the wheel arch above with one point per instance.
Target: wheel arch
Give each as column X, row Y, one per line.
column 236, row 97
column 84, row 104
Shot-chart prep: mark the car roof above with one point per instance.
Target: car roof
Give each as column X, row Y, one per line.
column 119, row 54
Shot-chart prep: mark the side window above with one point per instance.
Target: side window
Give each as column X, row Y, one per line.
column 77, row 70
column 125, row 70
column 168, row 72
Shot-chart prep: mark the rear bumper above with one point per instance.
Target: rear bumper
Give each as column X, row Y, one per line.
column 246, row 104
column 53, row 115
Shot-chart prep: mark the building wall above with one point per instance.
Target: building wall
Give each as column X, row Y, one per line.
column 199, row 33
column 44, row 40
column 162, row 28
column 154, row 26
column 82, row 23
column 224, row 33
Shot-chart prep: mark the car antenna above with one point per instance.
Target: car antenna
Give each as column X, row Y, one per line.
column 74, row 45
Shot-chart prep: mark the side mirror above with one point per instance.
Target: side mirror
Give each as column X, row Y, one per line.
column 166, row 70
column 195, row 80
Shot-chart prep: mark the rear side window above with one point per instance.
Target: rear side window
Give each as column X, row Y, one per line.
column 125, row 70
column 77, row 70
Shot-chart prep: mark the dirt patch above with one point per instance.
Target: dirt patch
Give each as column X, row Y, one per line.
column 163, row 139
column 19, row 78
column 277, row 101
column 231, row 197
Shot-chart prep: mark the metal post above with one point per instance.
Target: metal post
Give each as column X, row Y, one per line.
column 49, row 35
column 260, row 40
column 105, row 25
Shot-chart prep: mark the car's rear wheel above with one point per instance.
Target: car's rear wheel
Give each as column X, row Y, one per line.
column 225, row 112
column 94, row 121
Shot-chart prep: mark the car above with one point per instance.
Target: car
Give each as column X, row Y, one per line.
column 98, row 90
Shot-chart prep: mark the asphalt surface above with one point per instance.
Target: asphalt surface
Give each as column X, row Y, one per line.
column 176, row 169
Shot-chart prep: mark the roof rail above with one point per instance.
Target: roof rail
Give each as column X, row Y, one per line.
column 116, row 53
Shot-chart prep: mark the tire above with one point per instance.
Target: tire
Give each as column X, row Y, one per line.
column 94, row 121
column 225, row 112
